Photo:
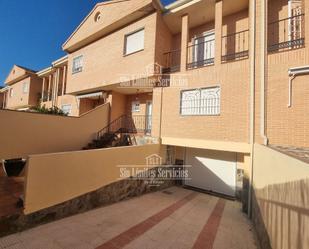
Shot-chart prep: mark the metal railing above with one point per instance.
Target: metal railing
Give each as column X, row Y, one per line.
column 201, row 53
column 128, row 124
column 287, row 33
column 201, row 106
column 171, row 61
column 235, row 46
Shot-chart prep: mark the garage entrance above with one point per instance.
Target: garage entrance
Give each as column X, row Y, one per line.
column 213, row 171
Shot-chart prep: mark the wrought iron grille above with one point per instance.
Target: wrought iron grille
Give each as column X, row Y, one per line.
column 235, row 46
column 287, row 33
column 204, row 101
column 201, row 53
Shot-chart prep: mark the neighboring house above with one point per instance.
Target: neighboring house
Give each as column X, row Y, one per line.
column 23, row 88
column 54, row 80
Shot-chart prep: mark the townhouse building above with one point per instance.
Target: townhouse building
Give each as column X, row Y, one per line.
column 22, row 89
column 206, row 78
column 53, row 88
column 214, row 82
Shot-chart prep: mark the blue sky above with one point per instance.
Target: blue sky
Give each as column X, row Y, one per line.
column 32, row 31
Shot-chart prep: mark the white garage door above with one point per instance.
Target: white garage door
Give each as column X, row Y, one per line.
column 212, row 170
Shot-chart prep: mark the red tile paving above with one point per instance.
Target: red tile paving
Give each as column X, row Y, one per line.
column 136, row 231
column 10, row 191
column 208, row 234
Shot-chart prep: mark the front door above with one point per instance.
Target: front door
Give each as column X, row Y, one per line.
column 148, row 117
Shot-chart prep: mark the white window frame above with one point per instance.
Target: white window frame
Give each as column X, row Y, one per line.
column 11, row 92
column 77, row 68
column 207, row 42
column 140, row 48
column 26, row 87
column 136, row 106
column 204, row 102
column 292, row 24
column 67, row 105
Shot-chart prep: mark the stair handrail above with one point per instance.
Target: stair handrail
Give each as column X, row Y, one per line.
column 126, row 124
column 120, row 120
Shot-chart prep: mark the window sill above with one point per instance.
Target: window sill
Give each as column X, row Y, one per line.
column 75, row 72
column 135, row 52
column 200, row 115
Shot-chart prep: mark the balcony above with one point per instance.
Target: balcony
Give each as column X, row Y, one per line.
column 235, row 46
column 171, row 61
column 202, row 52
column 287, row 33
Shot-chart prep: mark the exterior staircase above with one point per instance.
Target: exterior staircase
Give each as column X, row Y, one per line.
column 120, row 132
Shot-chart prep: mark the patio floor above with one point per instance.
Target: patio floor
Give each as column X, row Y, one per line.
column 176, row 218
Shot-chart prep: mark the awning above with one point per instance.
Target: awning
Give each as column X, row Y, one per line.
column 90, row 95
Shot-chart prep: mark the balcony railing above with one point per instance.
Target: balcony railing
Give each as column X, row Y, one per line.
column 171, row 61
column 287, row 33
column 235, row 46
column 201, row 53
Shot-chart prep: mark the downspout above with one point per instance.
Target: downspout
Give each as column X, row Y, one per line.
column 291, row 78
column 252, row 95
column 161, row 110
column 263, row 70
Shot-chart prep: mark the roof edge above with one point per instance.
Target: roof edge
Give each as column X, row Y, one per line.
column 84, row 20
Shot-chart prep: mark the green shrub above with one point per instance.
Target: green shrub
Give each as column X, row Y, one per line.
column 53, row 110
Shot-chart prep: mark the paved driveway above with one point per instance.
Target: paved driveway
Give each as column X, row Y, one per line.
column 176, row 218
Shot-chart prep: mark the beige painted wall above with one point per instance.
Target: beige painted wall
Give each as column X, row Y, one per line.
column 101, row 57
column 54, row 178
column 281, row 185
column 23, row 133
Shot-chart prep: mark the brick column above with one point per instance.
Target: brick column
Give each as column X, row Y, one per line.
column 218, row 31
column 3, row 100
column 64, row 77
column 49, row 87
column 184, row 42
column 305, row 6
column 43, row 89
column 57, row 86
